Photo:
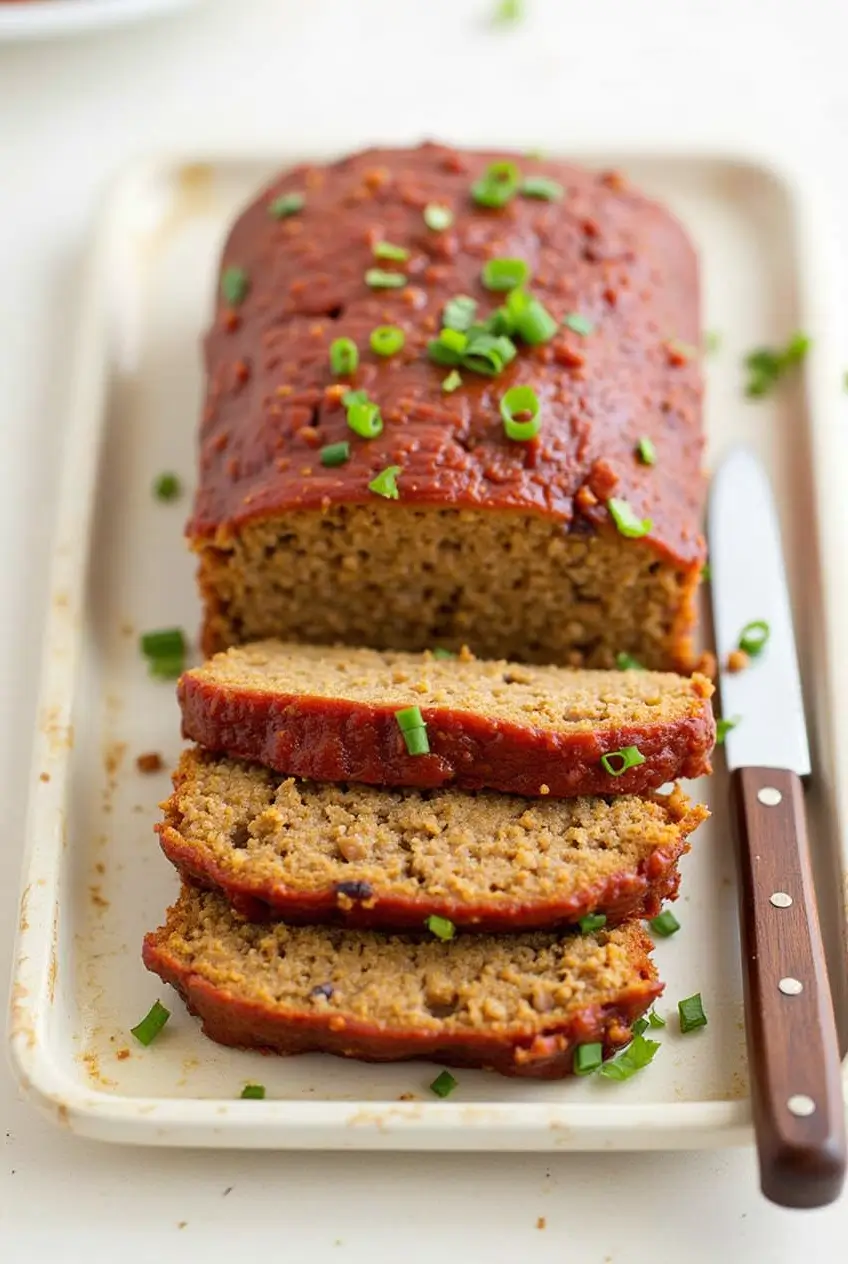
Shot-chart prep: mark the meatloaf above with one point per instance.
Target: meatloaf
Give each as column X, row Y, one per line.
column 515, row 1005
column 325, row 852
column 454, row 523
column 331, row 714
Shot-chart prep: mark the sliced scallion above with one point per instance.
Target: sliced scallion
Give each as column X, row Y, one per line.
column 459, row 312
column 497, row 186
column 638, row 1054
column 437, row 218
column 235, row 284
column 386, row 250
column 504, row 274
column 706, row 573
column 665, row 924
column 654, row 1019
column 154, row 1020
column 344, row 356
column 378, row 279
column 578, row 323
column 626, row 521
column 409, row 718
column 438, row 652
column 640, row 1027
column 691, row 1011
column 354, row 397
column 385, row 483
column 386, row 340
column 753, row 637
column 626, row 662
column 441, row 927
column 365, row 420
column 587, row 1058
column 165, row 651
column 167, row 487
column 592, row 922
column 286, row 204
column 444, row 1084
column 488, row 354
column 335, row 453
column 253, row 1092
column 542, row 187
column 521, row 413
column 646, row 451
column 531, row 320
column 627, row 757
column 723, row 727
column 452, row 382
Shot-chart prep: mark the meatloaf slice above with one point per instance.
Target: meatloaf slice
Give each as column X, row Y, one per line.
column 568, row 547
column 330, row 714
column 515, row 1005
column 326, row 852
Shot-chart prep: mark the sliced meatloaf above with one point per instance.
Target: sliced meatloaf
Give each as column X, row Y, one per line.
column 566, row 546
column 515, row 1005
column 331, row 714
column 325, row 852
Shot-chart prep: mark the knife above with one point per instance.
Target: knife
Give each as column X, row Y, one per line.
column 793, row 1052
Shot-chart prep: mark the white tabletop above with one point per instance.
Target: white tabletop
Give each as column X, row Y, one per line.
column 278, row 73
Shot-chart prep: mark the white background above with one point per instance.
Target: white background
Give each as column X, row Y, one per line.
column 274, row 74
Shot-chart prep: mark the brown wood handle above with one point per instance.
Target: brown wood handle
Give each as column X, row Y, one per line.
column 796, row 1088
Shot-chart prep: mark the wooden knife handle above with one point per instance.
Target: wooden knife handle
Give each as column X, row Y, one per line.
column 796, row 1089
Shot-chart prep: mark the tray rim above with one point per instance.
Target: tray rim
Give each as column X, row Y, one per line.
column 360, row 1124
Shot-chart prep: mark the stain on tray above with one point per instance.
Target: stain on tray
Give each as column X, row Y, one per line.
column 98, row 899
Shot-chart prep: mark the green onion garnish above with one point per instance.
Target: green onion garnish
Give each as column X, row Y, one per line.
column 354, row 397
column 592, row 922
column 409, row 718
column 234, row 286
column 380, row 280
column 412, row 725
column 646, row 451
column 287, row 204
column 387, row 339
column 335, row 453
column 587, row 1058
column 542, row 187
column 706, row 573
column 640, row 1026
column 497, row 186
column 152, row 1023
column 488, row 354
column 437, row 217
column 448, row 348
column 666, row 924
column 253, row 1092
column 724, row 726
column 654, row 1019
column 438, row 652
column 365, row 420
column 165, row 652
column 504, row 274
column 626, row 521
column 344, row 356
column 626, row 662
column 444, row 1084
column 508, row 11
column 691, row 1012
column 578, row 324
column 753, row 637
column 767, row 365
column 637, row 1055
column 441, row 927
column 629, row 757
column 385, row 483
column 385, row 250
column 451, row 382
column 531, row 321
column 521, row 413
column 459, row 312
column 167, row 487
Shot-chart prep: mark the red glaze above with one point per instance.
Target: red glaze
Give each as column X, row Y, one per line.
column 547, row 1055
column 603, row 251
column 328, row 739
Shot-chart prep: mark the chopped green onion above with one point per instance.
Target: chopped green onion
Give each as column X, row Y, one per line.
column 497, row 186
column 646, row 450
column 416, row 741
column 542, row 187
column 354, row 397
column 387, row 339
column 448, row 348
column 365, row 420
column 630, row 756
column 409, row 718
column 531, row 320
column 167, row 487
column 385, row 483
column 578, row 324
column 438, row 652
column 691, row 1012
column 168, row 667
column 235, row 284
column 499, row 322
column 626, row 662
column 753, row 637
column 441, row 927
column 451, row 382
column 287, row 204
column 253, row 1092
column 165, row 643
column 592, row 922
column 767, row 365
column 666, row 924
column 516, row 404
column 712, row 341
column 654, row 1019
column 587, row 1058
column 459, row 312
column 380, row 280
column 724, row 726
column 488, row 354
column 638, row 1054
column 706, row 573
column 437, row 217
column 626, row 521
column 344, row 356
column 508, row 11
column 385, row 250
column 154, row 1020
column 444, row 1084
column 640, row 1026
column 335, row 453
column 504, row 274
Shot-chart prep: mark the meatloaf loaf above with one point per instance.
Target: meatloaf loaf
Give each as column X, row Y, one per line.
column 518, row 1005
column 324, row 852
column 407, row 501
column 331, row 714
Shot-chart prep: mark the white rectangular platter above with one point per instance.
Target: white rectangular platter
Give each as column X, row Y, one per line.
column 94, row 877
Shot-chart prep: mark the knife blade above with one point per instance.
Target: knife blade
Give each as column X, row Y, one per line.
column 793, row 1052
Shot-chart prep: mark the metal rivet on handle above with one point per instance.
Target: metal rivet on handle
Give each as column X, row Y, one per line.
column 780, row 899
column 790, row 986
column 801, row 1105
column 769, row 796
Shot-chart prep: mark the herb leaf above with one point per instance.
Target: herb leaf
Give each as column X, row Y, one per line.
column 638, row 1054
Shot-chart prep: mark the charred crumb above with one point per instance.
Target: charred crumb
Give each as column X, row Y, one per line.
column 323, row 989
column 355, row 890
